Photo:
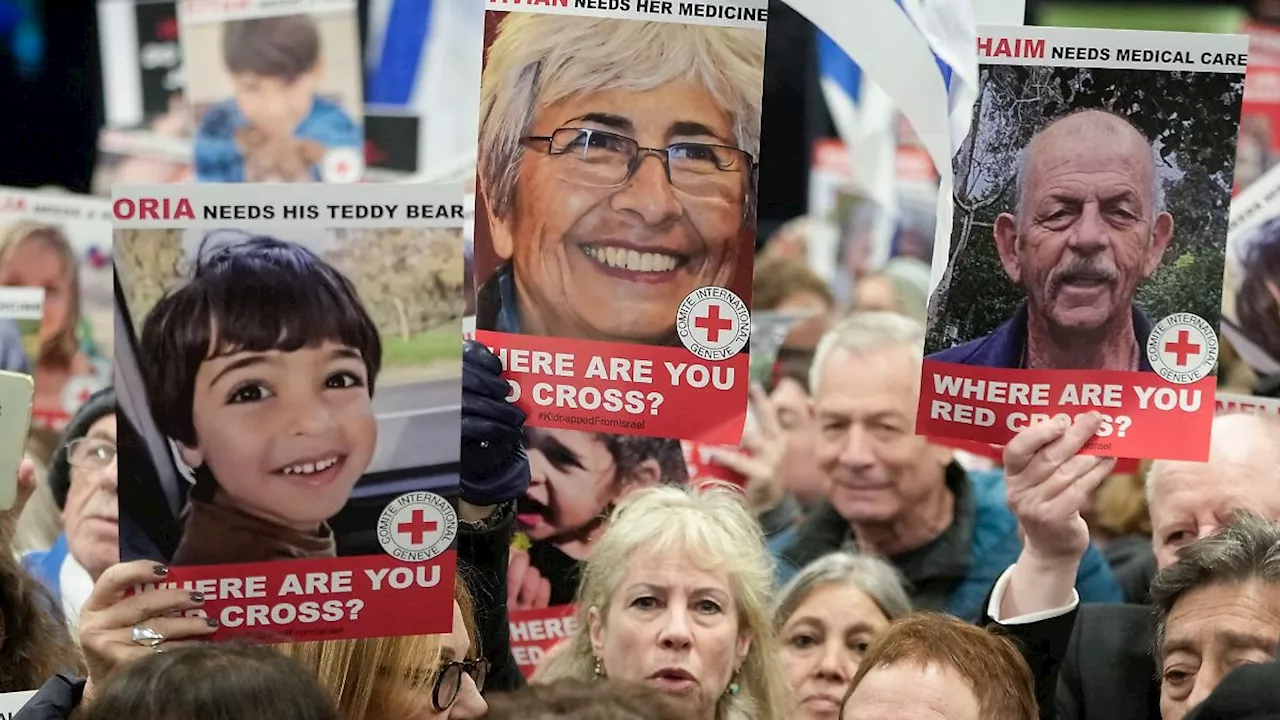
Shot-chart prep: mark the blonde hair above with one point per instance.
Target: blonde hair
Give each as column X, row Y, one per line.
column 354, row 672
column 711, row 524
column 538, row 59
column 63, row 346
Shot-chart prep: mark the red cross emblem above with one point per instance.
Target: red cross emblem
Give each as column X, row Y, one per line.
column 713, row 323
column 417, row 528
column 1182, row 349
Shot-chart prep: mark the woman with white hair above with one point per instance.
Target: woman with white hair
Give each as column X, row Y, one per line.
column 826, row 617
column 676, row 596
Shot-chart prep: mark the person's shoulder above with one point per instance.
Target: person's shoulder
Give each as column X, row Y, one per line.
column 969, row 353
column 330, row 114
column 219, row 121
column 1121, row 623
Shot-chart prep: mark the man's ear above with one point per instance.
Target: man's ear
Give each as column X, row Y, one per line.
column 1006, row 236
column 191, row 455
column 647, row 474
column 1161, row 234
column 500, row 232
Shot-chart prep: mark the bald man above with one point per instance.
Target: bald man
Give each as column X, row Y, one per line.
column 1100, row 656
column 1087, row 228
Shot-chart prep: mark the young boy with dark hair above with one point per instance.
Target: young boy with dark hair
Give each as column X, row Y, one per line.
column 276, row 67
column 262, row 369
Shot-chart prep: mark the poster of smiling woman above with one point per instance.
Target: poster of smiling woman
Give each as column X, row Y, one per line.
column 294, row 353
column 615, row 225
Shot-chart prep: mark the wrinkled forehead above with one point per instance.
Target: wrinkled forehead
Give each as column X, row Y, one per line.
column 1090, row 143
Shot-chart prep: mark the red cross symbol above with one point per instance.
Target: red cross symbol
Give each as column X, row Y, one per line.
column 417, row 528
column 713, row 323
column 342, row 168
column 82, row 397
column 1183, row 350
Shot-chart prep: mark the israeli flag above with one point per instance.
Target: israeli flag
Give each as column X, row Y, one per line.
column 424, row 56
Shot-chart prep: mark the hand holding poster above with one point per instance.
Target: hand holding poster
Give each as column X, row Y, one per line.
column 1091, row 199
column 275, row 86
column 616, row 217
column 265, row 318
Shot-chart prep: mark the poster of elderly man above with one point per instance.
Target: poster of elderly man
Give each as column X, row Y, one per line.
column 616, row 212
column 1083, row 268
column 1251, row 292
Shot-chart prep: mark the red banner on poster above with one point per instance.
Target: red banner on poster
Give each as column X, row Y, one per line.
column 323, row 598
column 534, row 632
column 1144, row 415
column 623, row 389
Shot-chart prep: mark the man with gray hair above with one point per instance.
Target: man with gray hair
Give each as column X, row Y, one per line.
column 1217, row 607
column 897, row 495
column 1087, row 229
column 1095, row 661
column 617, row 167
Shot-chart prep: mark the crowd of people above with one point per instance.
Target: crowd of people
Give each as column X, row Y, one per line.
column 863, row 572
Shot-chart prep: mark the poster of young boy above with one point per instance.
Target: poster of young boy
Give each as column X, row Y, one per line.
column 275, row 89
column 616, row 215
column 62, row 243
column 1083, row 270
column 298, row 348
column 1251, row 291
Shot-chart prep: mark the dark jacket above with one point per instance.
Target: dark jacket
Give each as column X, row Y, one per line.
column 957, row 569
column 1005, row 347
column 496, row 302
column 1134, row 565
column 1093, row 663
column 1250, row 692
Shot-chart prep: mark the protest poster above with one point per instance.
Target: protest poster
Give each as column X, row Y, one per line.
column 141, row 61
column 617, row 290
column 1090, row 214
column 159, row 155
column 298, row 350
column 1251, row 286
column 62, row 243
column 535, row 632
column 12, row 702
column 1229, row 403
column 275, row 89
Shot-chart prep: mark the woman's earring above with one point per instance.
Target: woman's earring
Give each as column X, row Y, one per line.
column 734, row 689
column 599, row 669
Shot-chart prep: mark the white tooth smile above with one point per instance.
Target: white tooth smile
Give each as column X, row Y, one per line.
column 624, row 259
column 310, row 468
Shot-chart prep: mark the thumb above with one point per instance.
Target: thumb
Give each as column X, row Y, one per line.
column 25, row 486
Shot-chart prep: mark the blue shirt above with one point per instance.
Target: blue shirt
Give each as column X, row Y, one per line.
column 218, row 159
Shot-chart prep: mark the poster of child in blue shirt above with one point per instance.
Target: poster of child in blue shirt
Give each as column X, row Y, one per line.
column 276, row 96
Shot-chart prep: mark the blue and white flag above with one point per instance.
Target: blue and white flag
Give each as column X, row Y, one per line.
column 424, row 56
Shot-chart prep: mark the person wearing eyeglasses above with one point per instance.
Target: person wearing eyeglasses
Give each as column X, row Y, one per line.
column 82, row 477
column 408, row 677
column 617, row 164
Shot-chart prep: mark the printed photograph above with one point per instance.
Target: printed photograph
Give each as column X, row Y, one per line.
column 302, row 381
column 617, row 173
column 72, row 355
column 1089, row 205
column 276, row 98
column 1251, row 297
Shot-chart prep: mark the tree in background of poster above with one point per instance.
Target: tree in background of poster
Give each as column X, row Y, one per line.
column 1251, row 293
column 62, row 243
column 275, row 88
column 1083, row 268
column 617, row 213
column 304, row 364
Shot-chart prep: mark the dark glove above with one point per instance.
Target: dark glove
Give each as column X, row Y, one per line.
column 495, row 469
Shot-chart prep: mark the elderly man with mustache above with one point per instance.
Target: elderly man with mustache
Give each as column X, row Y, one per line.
column 1088, row 227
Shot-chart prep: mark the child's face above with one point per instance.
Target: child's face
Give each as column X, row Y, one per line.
column 275, row 105
column 286, row 434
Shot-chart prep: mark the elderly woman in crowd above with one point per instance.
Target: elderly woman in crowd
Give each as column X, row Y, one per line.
column 826, row 617
column 676, row 596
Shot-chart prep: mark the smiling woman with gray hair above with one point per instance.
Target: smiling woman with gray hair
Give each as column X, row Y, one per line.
column 826, row 616
column 596, row 242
